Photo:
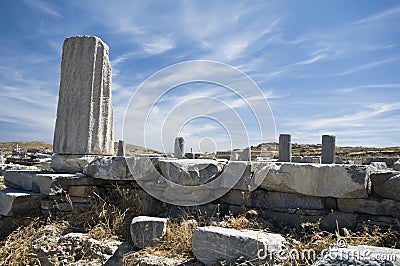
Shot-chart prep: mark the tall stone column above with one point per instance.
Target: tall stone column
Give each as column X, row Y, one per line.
column 121, row 148
column 179, row 149
column 328, row 149
column 84, row 122
column 285, row 148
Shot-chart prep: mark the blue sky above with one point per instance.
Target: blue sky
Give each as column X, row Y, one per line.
column 326, row 67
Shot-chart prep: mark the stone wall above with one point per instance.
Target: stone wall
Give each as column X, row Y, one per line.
column 348, row 196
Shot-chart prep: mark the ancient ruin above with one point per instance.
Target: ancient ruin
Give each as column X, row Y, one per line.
column 289, row 191
column 84, row 122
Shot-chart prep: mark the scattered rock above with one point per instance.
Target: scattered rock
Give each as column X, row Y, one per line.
column 73, row 249
column 147, row 231
column 118, row 257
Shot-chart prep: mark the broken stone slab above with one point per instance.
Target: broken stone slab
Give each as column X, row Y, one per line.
column 360, row 255
column 211, row 244
column 191, row 172
column 270, row 199
column 319, row 180
column 147, row 231
column 241, row 171
column 386, row 184
column 107, row 167
column 10, row 167
column 388, row 160
column 138, row 167
column 379, row 165
column 372, row 205
column 84, row 123
column 61, row 163
column 46, row 183
column 396, row 165
column 15, row 202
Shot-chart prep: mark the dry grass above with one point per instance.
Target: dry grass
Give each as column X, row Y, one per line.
column 105, row 221
column 310, row 236
column 111, row 215
column 178, row 240
column 2, row 186
column 16, row 249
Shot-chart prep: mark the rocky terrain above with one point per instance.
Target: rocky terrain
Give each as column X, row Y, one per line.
column 347, row 153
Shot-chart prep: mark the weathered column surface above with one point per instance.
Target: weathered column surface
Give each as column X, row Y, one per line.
column 179, row 148
column 285, row 148
column 84, row 122
column 328, row 149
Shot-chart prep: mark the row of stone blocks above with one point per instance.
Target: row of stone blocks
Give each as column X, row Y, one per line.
column 290, row 193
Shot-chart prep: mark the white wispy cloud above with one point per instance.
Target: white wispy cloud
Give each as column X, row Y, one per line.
column 158, row 45
column 369, row 86
column 394, row 11
column 360, row 118
column 44, row 7
column 368, row 66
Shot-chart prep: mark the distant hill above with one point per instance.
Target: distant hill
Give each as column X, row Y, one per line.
column 297, row 149
column 8, row 147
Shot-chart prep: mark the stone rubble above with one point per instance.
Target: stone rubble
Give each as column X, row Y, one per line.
column 74, row 249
